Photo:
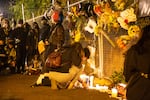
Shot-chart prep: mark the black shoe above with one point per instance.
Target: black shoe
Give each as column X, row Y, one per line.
column 35, row 85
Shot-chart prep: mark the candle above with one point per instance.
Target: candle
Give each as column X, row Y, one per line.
column 114, row 92
column 102, row 88
column 91, row 81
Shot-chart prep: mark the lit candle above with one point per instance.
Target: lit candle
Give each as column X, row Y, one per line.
column 114, row 92
column 105, row 88
column 91, row 81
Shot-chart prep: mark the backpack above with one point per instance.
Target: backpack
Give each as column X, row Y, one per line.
column 54, row 59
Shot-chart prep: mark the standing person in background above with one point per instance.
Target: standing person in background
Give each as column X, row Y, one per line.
column 20, row 36
column 9, row 46
column 36, row 29
column 13, row 25
column 7, row 30
column 43, row 36
column 31, row 46
column 137, row 68
column 4, row 31
column 67, row 28
column 44, row 30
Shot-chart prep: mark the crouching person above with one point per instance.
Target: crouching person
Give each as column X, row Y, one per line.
column 70, row 66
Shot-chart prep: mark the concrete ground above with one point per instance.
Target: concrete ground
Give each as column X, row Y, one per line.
column 17, row 87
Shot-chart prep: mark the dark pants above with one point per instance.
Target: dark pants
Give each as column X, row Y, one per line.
column 20, row 58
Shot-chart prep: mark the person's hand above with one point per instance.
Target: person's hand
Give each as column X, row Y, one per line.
column 46, row 42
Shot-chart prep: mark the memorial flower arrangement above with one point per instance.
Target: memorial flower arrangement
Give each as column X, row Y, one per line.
column 107, row 20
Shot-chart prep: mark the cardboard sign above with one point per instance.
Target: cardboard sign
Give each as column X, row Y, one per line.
column 144, row 8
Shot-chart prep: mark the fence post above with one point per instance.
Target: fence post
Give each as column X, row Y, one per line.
column 23, row 13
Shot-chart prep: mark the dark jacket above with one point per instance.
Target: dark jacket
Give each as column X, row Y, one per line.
column 70, row 56
column 44, row 32
column 19, row 33
column 57, row 36
column 138, row 87
column 136, row 63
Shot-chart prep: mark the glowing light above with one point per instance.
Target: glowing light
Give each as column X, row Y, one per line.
column 114, row 92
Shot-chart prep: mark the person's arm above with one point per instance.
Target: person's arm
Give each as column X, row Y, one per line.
column 60, row 35
column 130, row 64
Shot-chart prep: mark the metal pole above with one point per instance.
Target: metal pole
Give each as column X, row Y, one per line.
column 23, row 13
column 53, row 1
column 68, row 3
column 76, row 3
column 100, row 55
column 33, row 18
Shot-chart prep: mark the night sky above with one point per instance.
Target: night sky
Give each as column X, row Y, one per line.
column 4, row 5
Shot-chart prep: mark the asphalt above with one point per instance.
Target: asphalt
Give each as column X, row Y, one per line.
column 17, row 87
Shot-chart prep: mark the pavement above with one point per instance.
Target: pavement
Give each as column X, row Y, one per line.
column 17, row 87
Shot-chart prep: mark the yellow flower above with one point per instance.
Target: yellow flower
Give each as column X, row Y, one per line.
column 134, row 31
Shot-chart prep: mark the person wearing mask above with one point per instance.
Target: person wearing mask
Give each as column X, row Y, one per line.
column 137, row 68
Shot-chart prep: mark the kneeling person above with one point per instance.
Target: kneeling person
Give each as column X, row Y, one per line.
column 71, row 63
